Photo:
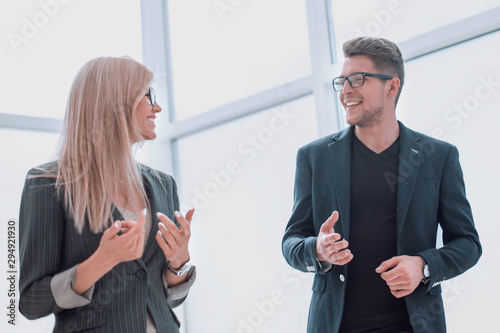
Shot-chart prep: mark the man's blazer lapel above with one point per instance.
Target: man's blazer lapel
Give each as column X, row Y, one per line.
column 340, row 159
column 410, row 157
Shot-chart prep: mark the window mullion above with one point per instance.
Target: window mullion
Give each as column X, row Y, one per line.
column 329, row 117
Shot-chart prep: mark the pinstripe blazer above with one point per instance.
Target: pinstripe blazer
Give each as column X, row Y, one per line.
column 50, row 244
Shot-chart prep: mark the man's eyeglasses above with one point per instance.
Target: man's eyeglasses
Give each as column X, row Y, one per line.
column 151, row 96
column 356, row 80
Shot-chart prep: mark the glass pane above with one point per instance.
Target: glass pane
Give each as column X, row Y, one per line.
column 239, row 176
column 47, row 42
column 226, row 50
column 399, row 20
column 457, row 101
column 20, row 151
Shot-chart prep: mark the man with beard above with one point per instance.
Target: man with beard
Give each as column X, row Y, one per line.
column 367, row 204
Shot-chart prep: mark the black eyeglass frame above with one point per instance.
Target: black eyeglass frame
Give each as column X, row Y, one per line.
column 151, row 94
column 346, row 78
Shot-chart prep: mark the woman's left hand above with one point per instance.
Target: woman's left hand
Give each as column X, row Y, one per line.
column 174, row 241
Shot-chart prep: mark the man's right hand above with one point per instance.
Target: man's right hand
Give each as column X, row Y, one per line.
column 329, row 247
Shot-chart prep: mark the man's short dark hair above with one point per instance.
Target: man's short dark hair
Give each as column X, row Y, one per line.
column 386, row 56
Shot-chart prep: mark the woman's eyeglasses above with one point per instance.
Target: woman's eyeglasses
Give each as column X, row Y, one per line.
column 151, row 96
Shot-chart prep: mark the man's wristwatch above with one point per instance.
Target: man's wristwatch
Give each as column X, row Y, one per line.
column 182, row 270
column 427, row 273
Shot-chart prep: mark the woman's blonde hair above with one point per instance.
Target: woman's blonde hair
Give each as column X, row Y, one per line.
column 95, row 150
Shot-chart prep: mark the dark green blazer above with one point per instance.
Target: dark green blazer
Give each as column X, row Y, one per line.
column 430, row 192
column 50, row 244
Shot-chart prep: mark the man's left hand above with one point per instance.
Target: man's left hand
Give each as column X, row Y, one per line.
column 402, row 274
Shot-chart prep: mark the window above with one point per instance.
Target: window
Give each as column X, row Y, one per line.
column 248, row 83
column 213, row 173
column 399, row 20
column 239, row 176
column 49, row 41
column 459, row 104
column 44, row 44
column 224, row 51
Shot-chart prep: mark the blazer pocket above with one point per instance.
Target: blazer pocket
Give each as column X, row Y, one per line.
column 80, row 319
column 319, row 283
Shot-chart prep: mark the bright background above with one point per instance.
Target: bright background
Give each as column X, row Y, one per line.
column 243, row 85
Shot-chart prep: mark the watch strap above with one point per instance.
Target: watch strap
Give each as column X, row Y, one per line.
column 181, row 270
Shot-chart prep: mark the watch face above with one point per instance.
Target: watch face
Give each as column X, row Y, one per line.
column 427, row 272
column 186, row 268
column 182, row 270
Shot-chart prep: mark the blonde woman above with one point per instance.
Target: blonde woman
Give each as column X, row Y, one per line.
column 102, row 243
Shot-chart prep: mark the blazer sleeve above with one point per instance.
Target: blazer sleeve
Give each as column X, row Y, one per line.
column 462, row 248
column 41, row 228
column 299, row 241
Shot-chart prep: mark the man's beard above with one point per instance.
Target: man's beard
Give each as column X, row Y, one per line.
column 369, row 117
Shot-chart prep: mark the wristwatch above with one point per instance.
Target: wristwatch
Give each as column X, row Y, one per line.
column 182, row 270
column 427, row 273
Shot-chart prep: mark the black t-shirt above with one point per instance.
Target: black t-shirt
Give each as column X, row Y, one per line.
column 369, row 305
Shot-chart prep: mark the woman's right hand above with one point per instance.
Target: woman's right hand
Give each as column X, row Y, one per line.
column 123, row 241
column 115, row 247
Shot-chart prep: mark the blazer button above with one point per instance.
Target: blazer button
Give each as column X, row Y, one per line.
column 342, row 277
column 141, row 274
